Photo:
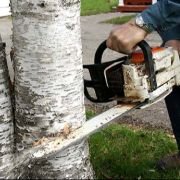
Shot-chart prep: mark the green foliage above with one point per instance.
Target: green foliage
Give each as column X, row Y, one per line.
column 89, row 7
column 120, row 20
column 89, row 114
column 122, row 152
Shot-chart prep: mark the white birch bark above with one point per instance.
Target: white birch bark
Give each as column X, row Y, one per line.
column 6, row 119
column 49, row 82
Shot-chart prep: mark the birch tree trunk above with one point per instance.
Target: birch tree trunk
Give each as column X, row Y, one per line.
column 49, row 83
column 6, row 118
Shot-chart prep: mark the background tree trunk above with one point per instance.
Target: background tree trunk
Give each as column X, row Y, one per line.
column 6, row 118
column 49, row 82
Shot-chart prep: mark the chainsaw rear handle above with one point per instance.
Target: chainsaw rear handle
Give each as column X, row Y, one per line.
column 98, row 61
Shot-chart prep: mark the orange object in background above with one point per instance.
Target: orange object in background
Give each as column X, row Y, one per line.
column 138, row 56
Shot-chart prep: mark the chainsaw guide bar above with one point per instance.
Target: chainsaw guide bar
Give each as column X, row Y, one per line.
column 93, row 125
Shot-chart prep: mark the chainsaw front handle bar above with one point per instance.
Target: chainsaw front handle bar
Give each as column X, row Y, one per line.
column 98, row 67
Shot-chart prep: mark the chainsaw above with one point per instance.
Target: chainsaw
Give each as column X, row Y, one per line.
column 134, row 81
column 147, row 75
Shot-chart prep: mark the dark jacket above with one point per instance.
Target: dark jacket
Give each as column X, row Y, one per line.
column 164, row 17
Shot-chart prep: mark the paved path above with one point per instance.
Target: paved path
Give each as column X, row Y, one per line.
column 93, row 33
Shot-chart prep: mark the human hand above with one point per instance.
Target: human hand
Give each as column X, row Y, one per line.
column 125, row 38
column 175, row 44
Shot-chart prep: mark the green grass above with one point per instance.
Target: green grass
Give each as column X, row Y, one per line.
column 122, row 152
column 89, row 114
column 120, row 20
column 90, row 7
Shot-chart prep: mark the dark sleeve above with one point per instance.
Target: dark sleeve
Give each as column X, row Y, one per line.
column 173, row 33
column 163, row 16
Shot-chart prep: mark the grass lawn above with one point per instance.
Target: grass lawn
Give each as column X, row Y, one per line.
column 120, row 20
column 123, row 152
column 89, row 7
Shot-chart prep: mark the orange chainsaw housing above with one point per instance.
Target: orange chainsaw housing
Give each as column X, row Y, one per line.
column 138, row 56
